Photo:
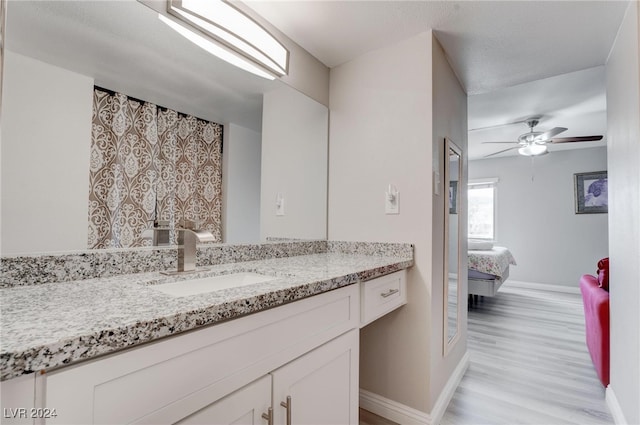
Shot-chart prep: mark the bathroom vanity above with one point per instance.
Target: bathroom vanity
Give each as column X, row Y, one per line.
column 281, row 351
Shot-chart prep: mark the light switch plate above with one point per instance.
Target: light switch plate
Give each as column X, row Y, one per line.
column 392, row 203
column 279, row 205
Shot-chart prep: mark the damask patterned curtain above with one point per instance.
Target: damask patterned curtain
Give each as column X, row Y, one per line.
column 146, row 163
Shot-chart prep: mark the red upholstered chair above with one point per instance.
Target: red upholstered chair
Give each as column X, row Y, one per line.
column 596, row 314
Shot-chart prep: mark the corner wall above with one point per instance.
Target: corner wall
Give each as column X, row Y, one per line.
column 449, row 121
column 381, row 133
column 623, row 150
column 536, row 219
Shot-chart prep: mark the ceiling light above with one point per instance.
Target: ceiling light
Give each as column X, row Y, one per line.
column 533, row 150
column 217, row 23
column 215, row 50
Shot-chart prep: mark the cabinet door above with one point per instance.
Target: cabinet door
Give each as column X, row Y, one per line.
column 322, row 385
column 243, row 407
column 17, row 400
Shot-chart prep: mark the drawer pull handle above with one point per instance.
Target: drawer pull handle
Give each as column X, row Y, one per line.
column 389, row 293
column 268, row 416
column 287, row 405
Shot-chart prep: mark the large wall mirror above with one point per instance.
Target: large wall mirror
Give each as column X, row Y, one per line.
column 275, row 138
column 452, row 256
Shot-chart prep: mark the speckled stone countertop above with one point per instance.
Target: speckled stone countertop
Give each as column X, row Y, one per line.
column 47, row 326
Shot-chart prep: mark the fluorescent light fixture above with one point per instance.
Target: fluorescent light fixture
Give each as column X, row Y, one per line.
column 214, row 49
column 533, row 149
column 218, row 23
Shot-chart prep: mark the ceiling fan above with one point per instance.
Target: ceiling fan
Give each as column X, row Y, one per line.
column 534, row 143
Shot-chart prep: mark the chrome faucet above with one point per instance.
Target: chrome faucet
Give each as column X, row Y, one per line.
column 188, row 237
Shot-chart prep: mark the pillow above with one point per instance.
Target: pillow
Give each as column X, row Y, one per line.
column 480, row 245
column 603, row 273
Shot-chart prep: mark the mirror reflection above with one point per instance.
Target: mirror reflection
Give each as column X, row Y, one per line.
column 56, row 52
column 453, row 174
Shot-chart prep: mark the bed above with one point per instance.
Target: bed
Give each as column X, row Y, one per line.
column 488, row 269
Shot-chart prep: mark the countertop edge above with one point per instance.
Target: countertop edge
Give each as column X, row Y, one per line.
column 110, row 340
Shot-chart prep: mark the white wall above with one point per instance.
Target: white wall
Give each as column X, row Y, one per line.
column 449, row 121
column 46, row 133
column 536, row 219
column 623, row 149
column 294, row 164
column 241, row 184
column 381, row 133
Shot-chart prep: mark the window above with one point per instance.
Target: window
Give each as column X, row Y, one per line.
column 482, row 209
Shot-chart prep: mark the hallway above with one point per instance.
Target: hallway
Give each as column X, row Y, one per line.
column 529, row 363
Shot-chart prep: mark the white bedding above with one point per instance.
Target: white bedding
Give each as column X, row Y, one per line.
column 488, row 270
column 494, row 261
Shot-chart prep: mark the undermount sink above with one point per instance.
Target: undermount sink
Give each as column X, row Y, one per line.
column 203, row 285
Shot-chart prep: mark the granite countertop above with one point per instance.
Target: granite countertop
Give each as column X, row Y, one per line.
column 52, row 325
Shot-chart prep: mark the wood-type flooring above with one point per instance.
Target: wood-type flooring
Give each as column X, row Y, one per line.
column 529, row 364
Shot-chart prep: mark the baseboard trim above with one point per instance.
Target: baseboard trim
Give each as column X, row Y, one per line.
column 543, row 286
column 392, row 410
column 449, row 389
column 405, row 415
column 614, row 407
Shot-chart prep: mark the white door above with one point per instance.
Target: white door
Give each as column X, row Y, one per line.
column 321, row 386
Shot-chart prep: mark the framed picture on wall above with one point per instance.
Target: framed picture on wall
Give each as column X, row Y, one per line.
column 453, row 197
column 591, row 192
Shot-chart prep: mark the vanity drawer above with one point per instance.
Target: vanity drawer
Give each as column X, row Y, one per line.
column 381, row 295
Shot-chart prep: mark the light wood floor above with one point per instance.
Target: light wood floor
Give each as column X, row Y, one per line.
column 529, row 363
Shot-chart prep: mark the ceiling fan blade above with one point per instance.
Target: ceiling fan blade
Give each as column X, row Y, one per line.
column 504, row 150
column 576, row 139
column 549, row 134
column 517, row 121
column 496, row 125
column 502, row 142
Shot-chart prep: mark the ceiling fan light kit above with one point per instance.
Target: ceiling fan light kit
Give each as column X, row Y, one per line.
column 533, row 149
column 534, row 143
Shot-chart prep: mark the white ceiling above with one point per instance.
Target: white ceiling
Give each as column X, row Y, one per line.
column 496, row 48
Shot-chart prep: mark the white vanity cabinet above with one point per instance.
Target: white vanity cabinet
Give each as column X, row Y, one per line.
column 381, row 296
column 320, row 387
column 18, row 400
column 302, row 347
column 298, row 360
column 245, row 406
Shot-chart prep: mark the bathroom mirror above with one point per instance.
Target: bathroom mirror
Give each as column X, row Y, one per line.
column 452, row 225
column 61, row 49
